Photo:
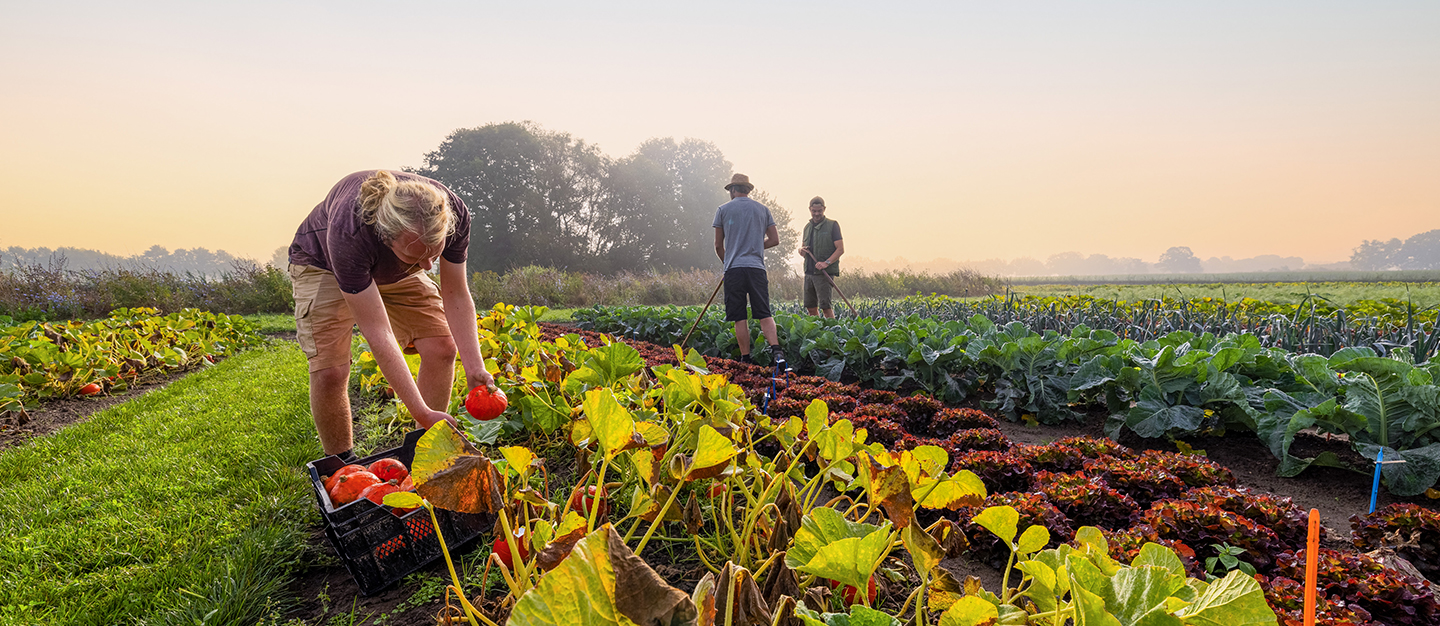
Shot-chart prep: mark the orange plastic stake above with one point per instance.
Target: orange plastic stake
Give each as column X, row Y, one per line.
column 1312, row 556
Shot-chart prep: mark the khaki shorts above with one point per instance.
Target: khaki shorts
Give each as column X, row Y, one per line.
column 323, row 321
column 817, row 292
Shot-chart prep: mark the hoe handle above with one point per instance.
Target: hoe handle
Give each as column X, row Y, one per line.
column 702, row 312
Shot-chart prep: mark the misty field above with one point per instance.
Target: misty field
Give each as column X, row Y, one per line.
column 1422, row 294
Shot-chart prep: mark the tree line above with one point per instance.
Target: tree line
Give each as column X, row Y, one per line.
column 199, row 261
column 545, row 198
column 1419, row 252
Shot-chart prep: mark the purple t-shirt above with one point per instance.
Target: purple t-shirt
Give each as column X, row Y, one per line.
column 334, row 238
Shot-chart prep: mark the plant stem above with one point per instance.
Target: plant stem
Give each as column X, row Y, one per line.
column 599, row 495
column 659, row 518
column 459, row 590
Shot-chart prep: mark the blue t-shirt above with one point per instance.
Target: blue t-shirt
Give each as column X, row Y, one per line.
column 744, row 222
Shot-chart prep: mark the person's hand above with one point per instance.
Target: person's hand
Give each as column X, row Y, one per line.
column 479, row 379
column 435, row 417
column 804, row 250
column 822, row 265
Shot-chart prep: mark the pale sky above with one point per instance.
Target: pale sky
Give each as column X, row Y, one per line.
column 966, row 130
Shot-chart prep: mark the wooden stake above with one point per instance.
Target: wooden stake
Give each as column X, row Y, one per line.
column 1312, row 557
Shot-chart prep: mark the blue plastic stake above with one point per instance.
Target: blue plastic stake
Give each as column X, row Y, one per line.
column 1375, row 489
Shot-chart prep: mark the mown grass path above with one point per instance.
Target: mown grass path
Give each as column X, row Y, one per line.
column 184, row 502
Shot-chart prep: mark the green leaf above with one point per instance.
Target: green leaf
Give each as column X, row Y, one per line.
column 1000, row 520
column 1090, row 538
column 614, row 362
column 1235, row 600
column 1156, row 555
column 1042, row 587
column 836, row 442
column 830, row 546
column 602, row 582
column 817, row 417
column 612, row 424
column 970, row 611
column 1419, row 472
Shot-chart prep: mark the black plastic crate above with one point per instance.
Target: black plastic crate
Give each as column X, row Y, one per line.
column 377, row 547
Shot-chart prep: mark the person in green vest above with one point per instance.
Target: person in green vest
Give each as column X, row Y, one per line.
column 821, row 248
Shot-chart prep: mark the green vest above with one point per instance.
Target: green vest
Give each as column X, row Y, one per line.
column 821, row 242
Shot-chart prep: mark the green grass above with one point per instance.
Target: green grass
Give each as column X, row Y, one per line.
column 1341, row 293
column 272, row 323
column 559, row 315
column 182, row 502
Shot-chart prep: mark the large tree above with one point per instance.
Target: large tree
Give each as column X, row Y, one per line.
column 1421, row 252
column 1179, row 260
column 663, row 200
column 545, row 198
column 535, row 194
column 1374, row 254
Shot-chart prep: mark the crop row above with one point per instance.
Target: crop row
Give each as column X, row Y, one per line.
column 1314, row 325
column 1185, row 502
column 41, row 360
column 1180, row 383
column 674, row 454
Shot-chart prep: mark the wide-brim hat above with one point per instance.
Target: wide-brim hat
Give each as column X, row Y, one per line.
column 740, row 180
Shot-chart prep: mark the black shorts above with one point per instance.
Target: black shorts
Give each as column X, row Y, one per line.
column 743, row 282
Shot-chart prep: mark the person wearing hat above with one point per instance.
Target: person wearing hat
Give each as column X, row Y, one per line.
column 744, row 229
column 821, row 248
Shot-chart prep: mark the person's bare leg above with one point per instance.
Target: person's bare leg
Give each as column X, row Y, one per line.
column 767, row 328
column 437, row 370
column 742, row 335
column 330, row 407
column 812, row 311
column 830, row 313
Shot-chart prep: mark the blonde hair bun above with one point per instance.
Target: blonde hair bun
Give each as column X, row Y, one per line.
column 393, row 207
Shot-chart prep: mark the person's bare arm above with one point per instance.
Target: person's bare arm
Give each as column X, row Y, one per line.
column 369, row 312
column 460, row 315
column 772, row 237
column 720, row 242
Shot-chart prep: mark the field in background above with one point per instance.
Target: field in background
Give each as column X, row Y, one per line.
column 1422, row 294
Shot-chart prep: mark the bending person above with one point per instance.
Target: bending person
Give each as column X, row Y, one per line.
column 360, row 258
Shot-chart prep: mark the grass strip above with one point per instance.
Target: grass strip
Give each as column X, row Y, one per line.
column 184, row 503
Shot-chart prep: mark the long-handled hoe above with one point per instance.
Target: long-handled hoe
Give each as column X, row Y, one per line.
column 702, row 311
column 834, row 286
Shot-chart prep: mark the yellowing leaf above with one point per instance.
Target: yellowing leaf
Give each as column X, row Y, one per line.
column 602, row 582
column 614, row 427
column 713, row 452
column 519, row 458
column 1033, row 539
column 962, row 489
column 403, row 500
column 436, row 450
column 1000, row 520
column 970, row 611
column 469, row 485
